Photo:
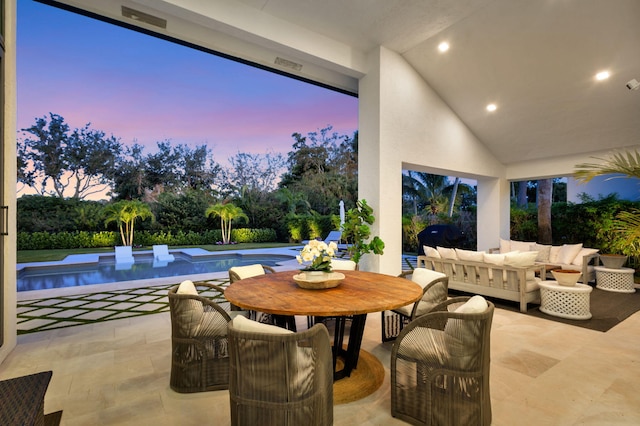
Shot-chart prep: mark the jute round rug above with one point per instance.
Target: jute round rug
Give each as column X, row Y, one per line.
column 364, row 380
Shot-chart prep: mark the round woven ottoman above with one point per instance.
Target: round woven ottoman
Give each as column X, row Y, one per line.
column 572, row 302
column 619, row 280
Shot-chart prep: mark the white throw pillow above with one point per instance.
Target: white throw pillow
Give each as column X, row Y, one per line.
column 553, row 254
column 187, row 287
column 580, row 256
column 431, row 252
column 505, row 245
column 474, row 256
column 447, row 253
column 568, row 252
column 521, row 245
column 245, row 324
column 544, row 252
column 475, row 305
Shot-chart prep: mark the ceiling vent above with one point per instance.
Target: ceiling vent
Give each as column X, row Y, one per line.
column 288, row 64
column 136, row 15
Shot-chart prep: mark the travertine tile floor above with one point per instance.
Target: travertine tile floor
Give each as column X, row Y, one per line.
column 542, row 373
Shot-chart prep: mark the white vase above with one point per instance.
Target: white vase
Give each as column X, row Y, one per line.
column 316, row 275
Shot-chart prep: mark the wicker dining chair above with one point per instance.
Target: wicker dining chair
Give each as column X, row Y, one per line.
column 238, row 273
column 280, row 378
column 435, row 288
column 199, row 349
column 440, row 365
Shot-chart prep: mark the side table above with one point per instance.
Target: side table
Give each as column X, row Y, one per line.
column 618, row 280
column 572, row 302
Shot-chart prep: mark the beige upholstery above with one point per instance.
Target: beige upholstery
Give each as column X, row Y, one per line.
column 343, row 265
column 434, row 291
column 280, row 379
column 440, row 366
column 199, row 356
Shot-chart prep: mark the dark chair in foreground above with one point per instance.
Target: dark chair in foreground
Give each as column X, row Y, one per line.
column 440, row 365
column 22, row 401
column 199, row 350
column 435, row 287
column 238, row 273
column 278, row 377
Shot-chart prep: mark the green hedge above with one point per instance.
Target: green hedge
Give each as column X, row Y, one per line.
column 83, row 239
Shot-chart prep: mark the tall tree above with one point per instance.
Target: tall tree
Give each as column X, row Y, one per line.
column 321, row 165
column 545, row 192
column 56, row 161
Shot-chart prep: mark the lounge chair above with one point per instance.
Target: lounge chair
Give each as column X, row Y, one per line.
column 161, row 253
column 334, row 236
column 124, row 255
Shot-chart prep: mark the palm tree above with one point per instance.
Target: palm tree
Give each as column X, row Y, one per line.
column 125, row 213
column 227, row 212
column 618, row 165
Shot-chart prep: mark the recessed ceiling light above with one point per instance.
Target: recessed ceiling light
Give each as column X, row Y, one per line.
column 443, row 47
column 491, row 107
column 602, row 75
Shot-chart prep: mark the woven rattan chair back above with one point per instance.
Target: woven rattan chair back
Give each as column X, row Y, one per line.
column 440, row 368
column 237, row 273
column 199, row 347
column 435, row 288
column 281, row 379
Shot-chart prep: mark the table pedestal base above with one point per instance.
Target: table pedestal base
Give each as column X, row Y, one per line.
column 363, row 381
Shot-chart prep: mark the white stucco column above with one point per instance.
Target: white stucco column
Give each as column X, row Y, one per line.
column 8, row 170
column 493, row 214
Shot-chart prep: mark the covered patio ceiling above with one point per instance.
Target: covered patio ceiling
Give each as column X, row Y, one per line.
column 536, row 60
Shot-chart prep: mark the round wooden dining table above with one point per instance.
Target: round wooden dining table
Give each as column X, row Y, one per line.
column 357, row 295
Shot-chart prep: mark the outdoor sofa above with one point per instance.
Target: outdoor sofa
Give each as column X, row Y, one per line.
column 509, row 276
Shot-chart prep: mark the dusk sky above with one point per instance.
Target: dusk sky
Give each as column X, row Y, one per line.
column 141, row 88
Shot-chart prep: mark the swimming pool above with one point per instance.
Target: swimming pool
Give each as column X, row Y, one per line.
column 105, row 270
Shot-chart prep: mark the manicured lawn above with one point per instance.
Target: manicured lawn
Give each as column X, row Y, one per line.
column 27, row 256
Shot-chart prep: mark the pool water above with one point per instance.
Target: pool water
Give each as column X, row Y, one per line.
column 58, row 276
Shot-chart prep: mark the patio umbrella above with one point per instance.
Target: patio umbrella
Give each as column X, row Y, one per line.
column 341, row 213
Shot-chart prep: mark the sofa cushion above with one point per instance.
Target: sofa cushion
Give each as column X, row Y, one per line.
column 521, row 245
column 494, row 259
column 431, row 252
column 544, row 252
column 568, row 252
column 581, row 254
column 505, row 245
column 447, row 253
column 553, row 254
column 470, row 255
column 521, row 260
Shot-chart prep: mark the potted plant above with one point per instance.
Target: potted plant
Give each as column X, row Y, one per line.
column 356, row 232
column 627, row 224
column 316, row 257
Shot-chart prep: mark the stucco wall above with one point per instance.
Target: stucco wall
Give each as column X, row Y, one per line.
column 9, row 179
column 405, row 124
